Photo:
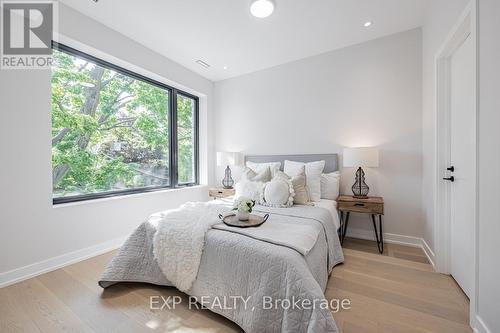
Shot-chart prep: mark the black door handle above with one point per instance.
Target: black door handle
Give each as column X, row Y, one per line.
column 451, row 179
column 452, row 168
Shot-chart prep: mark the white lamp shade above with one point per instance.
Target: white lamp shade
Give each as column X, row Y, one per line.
column 228, row 158
column 361, row 157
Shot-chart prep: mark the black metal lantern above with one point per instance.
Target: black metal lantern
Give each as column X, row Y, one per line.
column 228, row 181
column 360, row 189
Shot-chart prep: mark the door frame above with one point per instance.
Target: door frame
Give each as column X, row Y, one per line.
column 466, row 27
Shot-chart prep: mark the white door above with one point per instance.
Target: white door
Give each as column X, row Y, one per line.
column 463, row 124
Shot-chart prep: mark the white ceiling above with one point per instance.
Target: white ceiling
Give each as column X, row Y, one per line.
column 223, row 33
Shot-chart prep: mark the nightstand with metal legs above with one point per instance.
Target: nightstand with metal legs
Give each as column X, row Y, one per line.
column 374, row 206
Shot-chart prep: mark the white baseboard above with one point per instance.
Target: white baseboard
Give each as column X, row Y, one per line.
column 395, row 239
column 479, row 326
column 48, row 265
column 429, row 253
column 388, row 238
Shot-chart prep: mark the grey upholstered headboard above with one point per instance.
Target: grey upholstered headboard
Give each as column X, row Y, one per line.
column 331, row 160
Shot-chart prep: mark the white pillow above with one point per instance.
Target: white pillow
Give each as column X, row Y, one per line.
column 249, row 189
column 278, row 192
column 313, row 176
column 330, row 185
column 299, row 186
column 258, row 167
column 263, row 176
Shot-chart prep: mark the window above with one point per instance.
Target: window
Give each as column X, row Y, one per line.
column 115, row 132
column 186, row 139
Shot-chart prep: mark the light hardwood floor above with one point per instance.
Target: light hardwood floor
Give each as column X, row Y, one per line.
column 394, row 292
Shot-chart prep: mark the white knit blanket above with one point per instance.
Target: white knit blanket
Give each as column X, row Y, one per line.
column 180, row 238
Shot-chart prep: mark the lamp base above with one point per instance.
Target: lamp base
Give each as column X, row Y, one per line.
column 359, row 188
column 228, row 181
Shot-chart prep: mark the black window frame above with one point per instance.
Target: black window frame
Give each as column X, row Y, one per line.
column 172, row 120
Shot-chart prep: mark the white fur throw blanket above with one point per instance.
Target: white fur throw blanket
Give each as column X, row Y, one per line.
column 179, row 240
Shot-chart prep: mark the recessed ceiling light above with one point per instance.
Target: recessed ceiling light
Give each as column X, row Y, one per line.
column 368, row 23
column 262, row 8
column 202, row 63
column 225, row 67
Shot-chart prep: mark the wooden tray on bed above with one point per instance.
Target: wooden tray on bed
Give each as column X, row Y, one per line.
column 254, row 220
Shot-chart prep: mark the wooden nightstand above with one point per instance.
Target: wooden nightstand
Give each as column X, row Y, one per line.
column 219, row 192
column 371, row 205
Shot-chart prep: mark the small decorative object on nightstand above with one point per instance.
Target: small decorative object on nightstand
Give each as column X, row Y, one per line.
column 370, row 205
column 227, row 159
column 358, row 158
column 219, row 192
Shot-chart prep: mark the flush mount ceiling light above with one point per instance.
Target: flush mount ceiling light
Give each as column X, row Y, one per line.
column 262, row 8
column 368, row 23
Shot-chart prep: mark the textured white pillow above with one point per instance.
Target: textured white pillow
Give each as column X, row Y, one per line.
column 313, row 176
column 252, row 183
column 278, row 193
column 258, row 167
column 263, row 176
column 299, row 186
column 249, row 189
column 330, row 185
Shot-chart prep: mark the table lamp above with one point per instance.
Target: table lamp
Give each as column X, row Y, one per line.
column 358, row 158
column 227, row 159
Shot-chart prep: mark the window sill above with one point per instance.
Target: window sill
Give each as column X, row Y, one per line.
column 128, row 196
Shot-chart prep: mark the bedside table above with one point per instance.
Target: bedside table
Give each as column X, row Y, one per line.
column 220, row 192
column 374, row 206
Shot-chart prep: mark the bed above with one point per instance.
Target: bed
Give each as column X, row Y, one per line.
column 263, row 272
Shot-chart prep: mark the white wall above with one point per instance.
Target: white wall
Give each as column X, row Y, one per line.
column 489, row 164
column 365, row 95
column 31, row 228
column 441, row 17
